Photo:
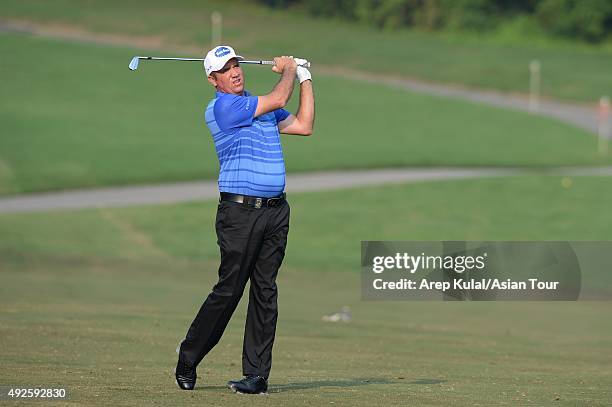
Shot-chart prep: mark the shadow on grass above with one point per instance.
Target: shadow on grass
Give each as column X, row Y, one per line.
column 427, row 381
column 280, row 388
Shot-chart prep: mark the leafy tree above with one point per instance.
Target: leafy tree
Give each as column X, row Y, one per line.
column 585, row 19
column 589, row 20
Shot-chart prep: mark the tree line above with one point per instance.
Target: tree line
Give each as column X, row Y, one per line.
column 588, row 20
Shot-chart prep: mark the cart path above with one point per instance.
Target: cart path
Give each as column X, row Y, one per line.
column 319, row 181
column 580, row 115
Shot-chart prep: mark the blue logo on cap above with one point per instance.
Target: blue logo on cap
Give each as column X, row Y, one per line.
column 221, row 51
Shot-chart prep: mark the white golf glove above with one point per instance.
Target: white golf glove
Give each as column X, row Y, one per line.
column 302, row 74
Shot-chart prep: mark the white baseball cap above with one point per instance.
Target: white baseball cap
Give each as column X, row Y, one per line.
column 218, row 57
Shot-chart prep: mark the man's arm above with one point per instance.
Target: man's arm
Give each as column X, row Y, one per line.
column 279, row 97
column 302, row 122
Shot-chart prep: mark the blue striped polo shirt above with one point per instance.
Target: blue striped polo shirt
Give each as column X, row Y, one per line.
column 249, row 148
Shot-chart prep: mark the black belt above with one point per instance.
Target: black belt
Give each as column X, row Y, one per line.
column 253, row 201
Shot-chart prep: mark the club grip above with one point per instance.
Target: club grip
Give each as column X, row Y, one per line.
column 306, row 65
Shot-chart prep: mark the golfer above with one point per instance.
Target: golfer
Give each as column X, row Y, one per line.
column 253, row 214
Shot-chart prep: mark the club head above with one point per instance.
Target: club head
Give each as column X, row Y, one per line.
column 134, row 63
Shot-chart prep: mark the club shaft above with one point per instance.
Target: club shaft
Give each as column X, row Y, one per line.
column 172, row 59
column 257, row 62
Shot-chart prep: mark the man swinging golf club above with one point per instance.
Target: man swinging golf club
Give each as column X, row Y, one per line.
column 253, row 214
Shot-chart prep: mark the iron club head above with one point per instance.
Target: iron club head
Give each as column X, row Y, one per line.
column 134, row 63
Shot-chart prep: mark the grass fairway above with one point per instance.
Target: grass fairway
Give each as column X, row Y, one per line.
column 82, row 119
column 569, row 71
column 97, row 300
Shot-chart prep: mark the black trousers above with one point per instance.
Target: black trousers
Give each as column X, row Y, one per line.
column 252, row 243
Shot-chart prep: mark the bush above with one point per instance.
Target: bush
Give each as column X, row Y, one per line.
column 385, row 14
column 478, row 15
column 278, row 3
column 585, row 19
column 332, row 8
column 589, row 20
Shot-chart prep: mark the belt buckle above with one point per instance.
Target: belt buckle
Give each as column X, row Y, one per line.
column 258, row 203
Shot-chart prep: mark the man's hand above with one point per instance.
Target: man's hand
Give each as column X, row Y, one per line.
column 303, row 74
column 303, row 122
column 279, row 97
column 283, row 63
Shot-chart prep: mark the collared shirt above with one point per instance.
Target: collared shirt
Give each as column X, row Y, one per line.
column 249, row 148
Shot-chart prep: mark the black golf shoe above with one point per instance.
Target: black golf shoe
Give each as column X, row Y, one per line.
column 185, row 374
column 249, row 385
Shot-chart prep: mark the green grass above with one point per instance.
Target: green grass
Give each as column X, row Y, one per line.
column 96, row 301
column 569, row 71
column 107, row 331
column 73, row 115
column 522, row 208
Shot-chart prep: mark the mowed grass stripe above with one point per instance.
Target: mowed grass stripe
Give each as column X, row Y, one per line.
column 74, row 116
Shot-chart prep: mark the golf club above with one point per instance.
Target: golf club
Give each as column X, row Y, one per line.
column 134, row 63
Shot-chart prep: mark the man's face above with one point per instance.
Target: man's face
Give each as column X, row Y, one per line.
column 229, row 79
